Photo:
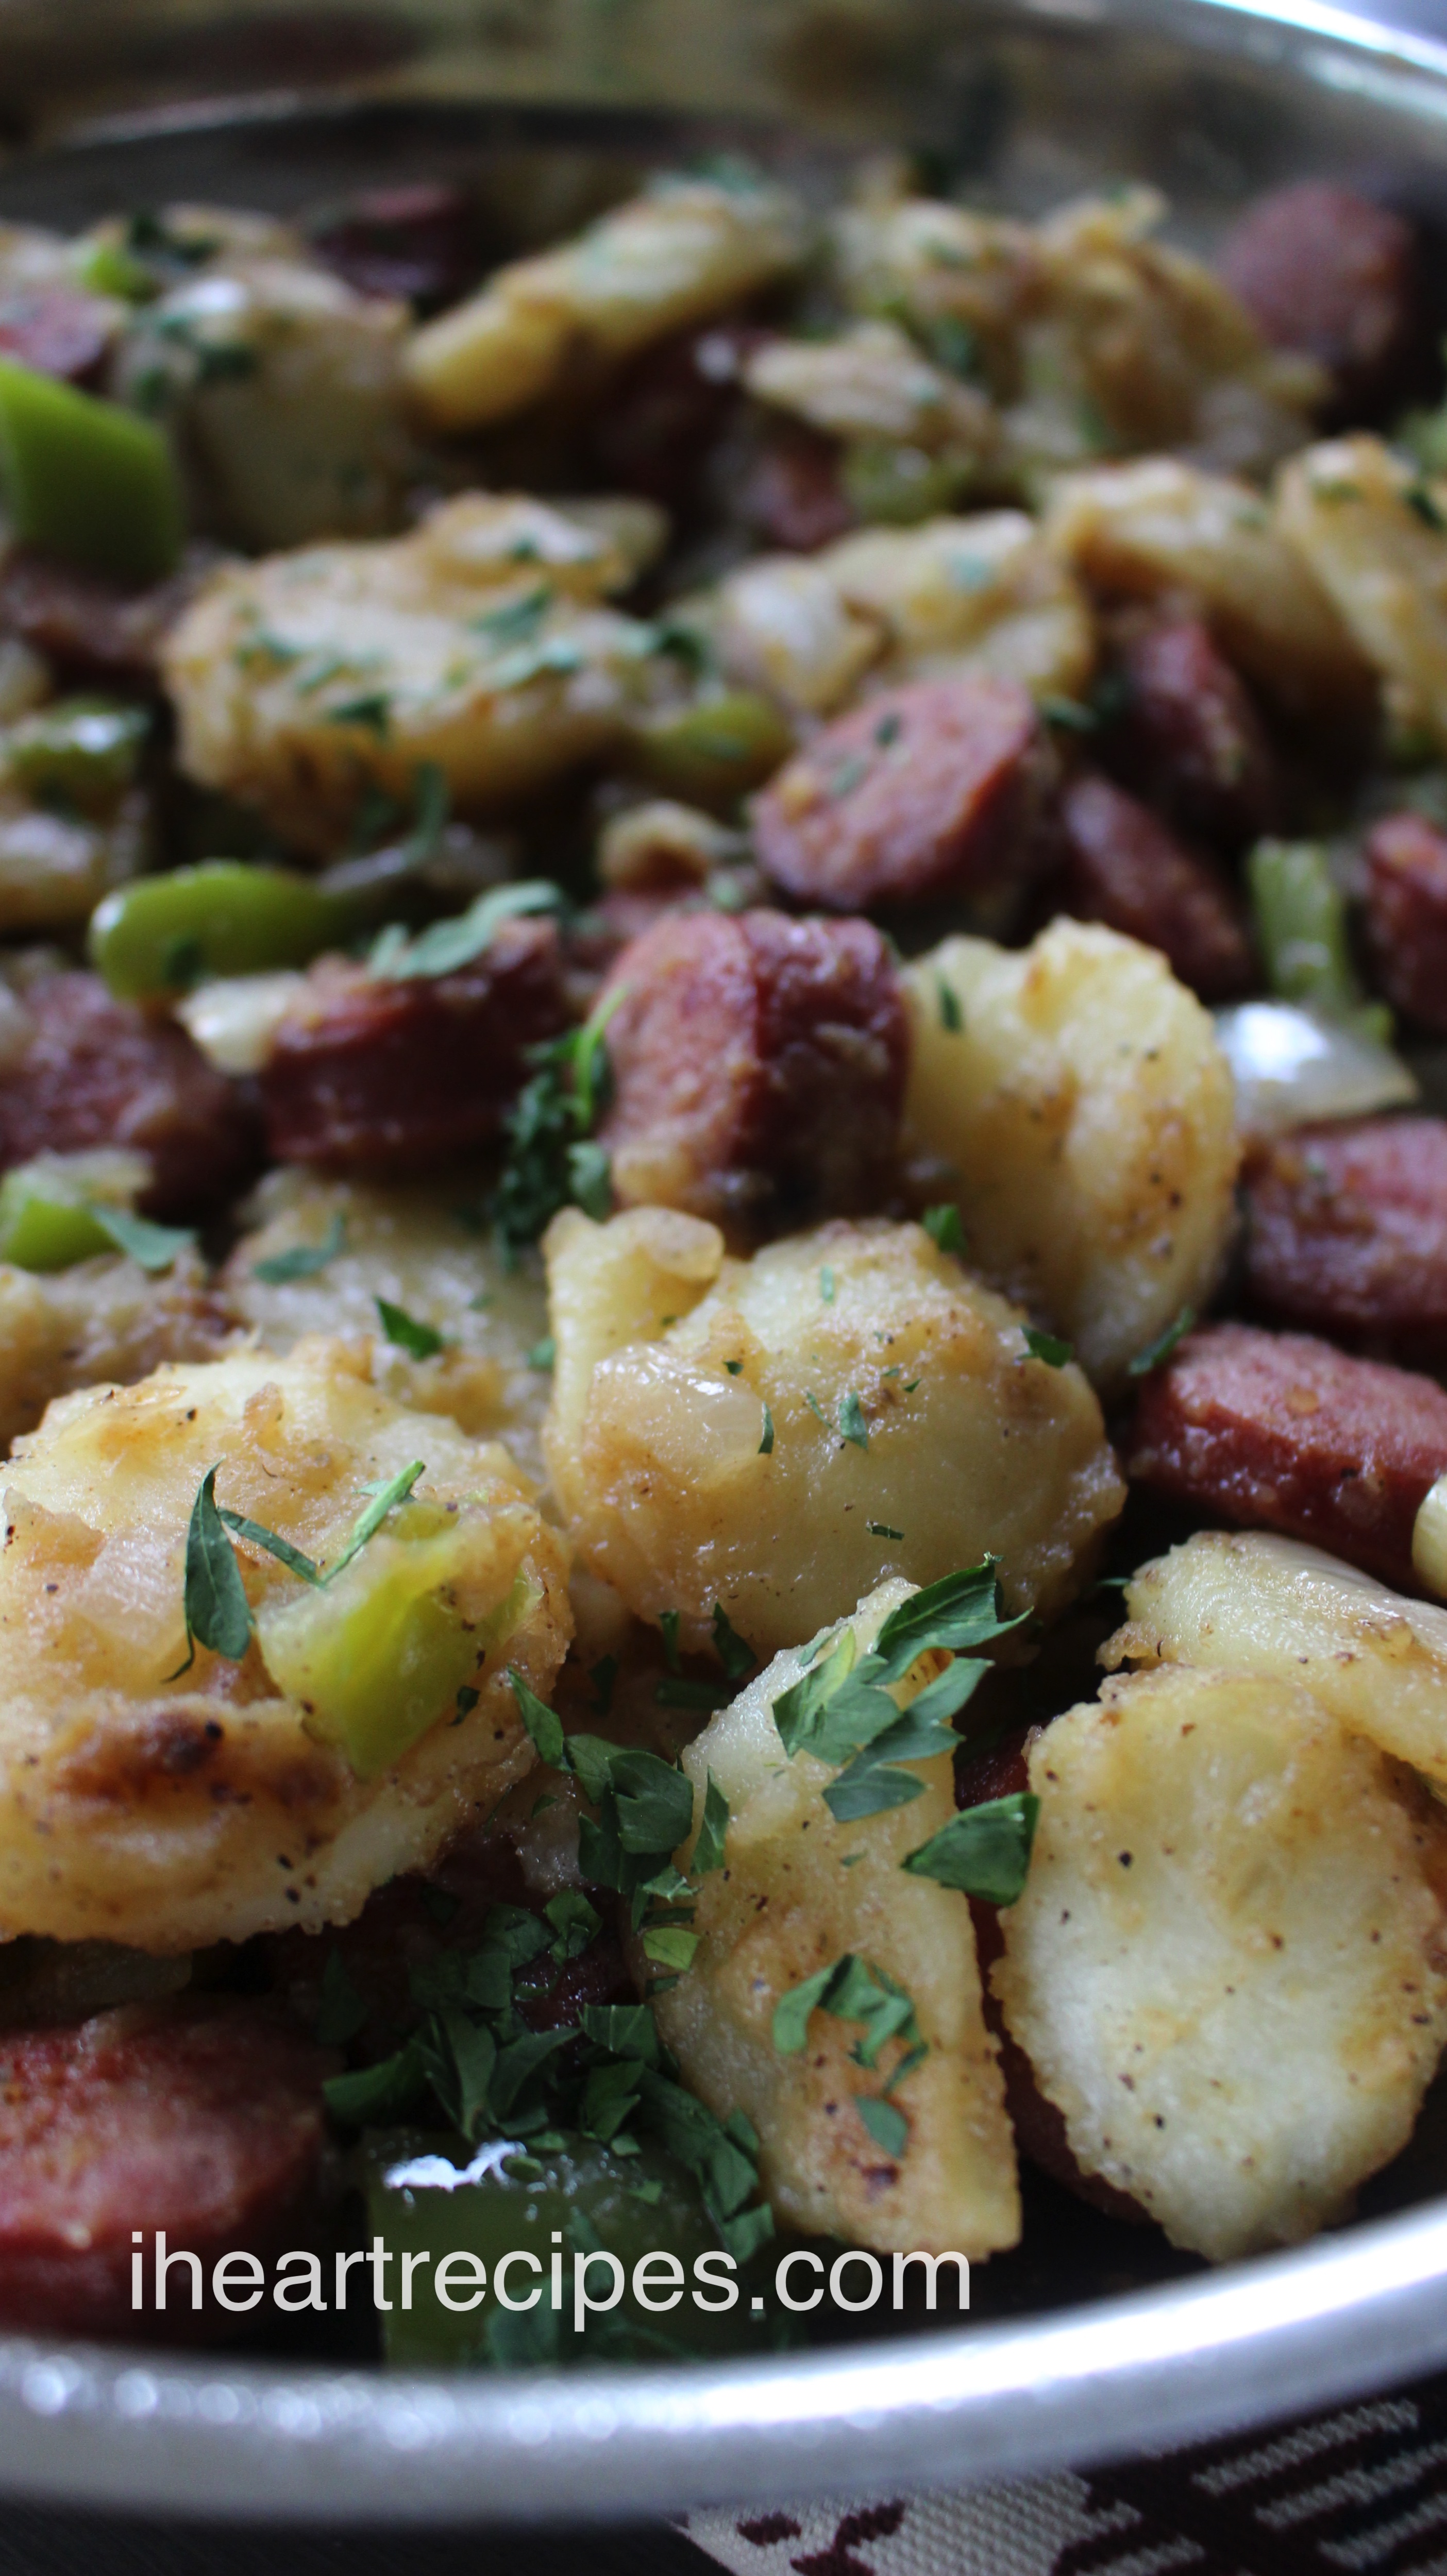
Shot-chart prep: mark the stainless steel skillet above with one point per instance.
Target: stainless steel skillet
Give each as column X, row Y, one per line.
column 1087, row 2346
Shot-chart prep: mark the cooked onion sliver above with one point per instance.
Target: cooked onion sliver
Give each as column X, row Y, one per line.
column 1291, row 1066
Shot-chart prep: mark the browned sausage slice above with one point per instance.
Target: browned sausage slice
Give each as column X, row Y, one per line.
column 400, row 1075
column 89, row 625
column 203, row 2120
column 1279, row 1431
column 1188, row 738
column 758, row 1066
column 96, row 1072
column 58, row 330
column 414, row 242
column 1123, row 867
column 927, row 790
column 1348, row 1233
column 1322, row 269
column 1407, row 916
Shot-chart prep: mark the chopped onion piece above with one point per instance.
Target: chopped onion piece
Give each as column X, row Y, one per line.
column 1429, row 1540
column 234, row 1020
column 1291, row 1065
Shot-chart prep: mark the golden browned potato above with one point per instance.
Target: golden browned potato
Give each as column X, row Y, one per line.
column 1251, row 1602
column 783, row 1907
column 409, row 1247
column 687, row 249
column 166, row 1804
column 871, row 382
column 1074, row 1100
column 1164, row 526
column 1371, row 531
column 1226, row 1968
column 781, row 623
column 104, row 1321
column 969, row 594
column 479, row 643
column 283, row 389
column 780, row 1434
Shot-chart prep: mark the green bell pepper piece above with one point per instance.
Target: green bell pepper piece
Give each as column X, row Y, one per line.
column 87, row 480
column 40, row 1231
column 1301, row 929
column 628, row 2205
column 226, row 917
column 82, row 751
column 712, row 752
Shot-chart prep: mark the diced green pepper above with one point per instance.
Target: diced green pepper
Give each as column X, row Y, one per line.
column 1301, row 928
column 87, row 480
column 713, row 752
column 57, row 1210
column 625, row 2205
column 83, row 752
column 899, row 485
column 108, row 268
column 41, row 1232
column 163, row 934
column 378, row 1655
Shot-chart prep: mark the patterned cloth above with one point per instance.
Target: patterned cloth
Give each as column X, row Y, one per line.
column 1359, row 2492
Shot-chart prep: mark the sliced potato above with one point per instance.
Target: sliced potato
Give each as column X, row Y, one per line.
column 55, row 867
column 720, row 1432
column 783, row 1907
column 411, row 1248
column 1165, row 526
column 687, row 249
column 102, row 1322
column 1251, row 1602
column 478, row 644
column 1075, row 1101
column 167, row 1805
column 284, row 388
column 1226, row 1968
column 970, row 594
column 872, row 382
column 780, row 623
column 1373, row 535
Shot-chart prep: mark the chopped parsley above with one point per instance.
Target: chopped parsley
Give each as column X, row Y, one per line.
column 1048, row 1347
column 419, row 1341
column 551, row 1156
column 983, row 1851
column 1160, row 1350
column 942, row 1225
column 952, row 1018
column 852, row 1425
column 304, row 1260
column 766, row 1441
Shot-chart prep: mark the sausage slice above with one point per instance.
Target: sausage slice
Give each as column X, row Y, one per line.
column 928, row 790
column 1188, row 738
column 1324, row 270
column 1279, row 1431
column 1407, row 916
column 204, row 2120
column 400, row 1075
column 758, row 1066
column 1348, row 1233
column 94, row 1071
column 1123, row 867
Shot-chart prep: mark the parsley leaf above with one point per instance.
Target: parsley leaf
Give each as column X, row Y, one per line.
column 217, row 1612
column 942, row 1225
column 852, row 1425
column 766, row 1443
column 446, row 946
column 952, row 1018
column 1048, row 1347
column 736, row 1656
column 418, row 1340
column 154, row 1247
column 1159, row 1351
column 984, row 1851
column 304, row 1260
column 885, row 2122
column 281, row 1548
column 541, row 1722
column 708, row 1849
column 551, row 1158
column 384, row 1499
